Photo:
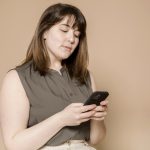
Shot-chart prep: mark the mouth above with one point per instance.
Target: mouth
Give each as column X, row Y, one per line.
column 68, row 48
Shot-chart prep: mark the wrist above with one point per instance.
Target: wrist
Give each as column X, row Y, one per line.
column 60, row 119
column 97, row 121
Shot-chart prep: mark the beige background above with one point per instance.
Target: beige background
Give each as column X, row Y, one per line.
column 119, row 48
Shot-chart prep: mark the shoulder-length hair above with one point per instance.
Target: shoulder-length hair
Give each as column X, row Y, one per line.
column 37, row 53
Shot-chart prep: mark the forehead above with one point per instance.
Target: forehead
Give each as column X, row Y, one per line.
column 69, row 20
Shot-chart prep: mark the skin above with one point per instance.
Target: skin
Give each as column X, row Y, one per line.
column 61, row 41
column 98, row 129
column 14, row 119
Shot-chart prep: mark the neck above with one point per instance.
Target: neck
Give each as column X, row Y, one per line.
column 55, row 63
column 55, row 66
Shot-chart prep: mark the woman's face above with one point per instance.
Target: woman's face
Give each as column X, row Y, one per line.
column 62, row 39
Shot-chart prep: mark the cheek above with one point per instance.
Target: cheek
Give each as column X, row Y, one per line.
column 76, row 43
column 54, row 39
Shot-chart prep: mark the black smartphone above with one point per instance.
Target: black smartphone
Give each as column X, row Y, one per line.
column 96, row 97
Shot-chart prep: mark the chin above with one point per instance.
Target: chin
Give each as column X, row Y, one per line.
column 65, row 56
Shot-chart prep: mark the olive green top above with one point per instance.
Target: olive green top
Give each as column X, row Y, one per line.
column 50, row 94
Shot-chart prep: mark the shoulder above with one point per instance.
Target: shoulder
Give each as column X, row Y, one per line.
column 11, row 83
column 11, row 77
column 25, row 67
column 12, row 93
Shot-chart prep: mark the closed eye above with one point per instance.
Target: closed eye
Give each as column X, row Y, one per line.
column 64, row 30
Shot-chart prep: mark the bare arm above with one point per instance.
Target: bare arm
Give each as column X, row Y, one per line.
column 98, row 129
column 14, row 113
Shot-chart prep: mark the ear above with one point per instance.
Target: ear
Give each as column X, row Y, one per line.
column 45, row 35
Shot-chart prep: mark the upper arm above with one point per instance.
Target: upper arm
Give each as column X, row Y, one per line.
column 14, row 106
column 93, row 84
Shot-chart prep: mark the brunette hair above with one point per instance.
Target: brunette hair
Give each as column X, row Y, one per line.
column 77, row 63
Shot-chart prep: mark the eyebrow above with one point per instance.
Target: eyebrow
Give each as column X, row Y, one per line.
column 69, row 26
column 65, row 25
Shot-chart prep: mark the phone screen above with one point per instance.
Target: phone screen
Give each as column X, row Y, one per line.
column 96, row 97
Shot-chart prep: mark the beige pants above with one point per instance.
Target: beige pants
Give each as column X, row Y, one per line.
column 71, row 145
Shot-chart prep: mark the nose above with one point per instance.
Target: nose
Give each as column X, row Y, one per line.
column 71, row 37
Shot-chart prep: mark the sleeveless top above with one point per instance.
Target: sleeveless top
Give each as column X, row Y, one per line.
column 50, row 94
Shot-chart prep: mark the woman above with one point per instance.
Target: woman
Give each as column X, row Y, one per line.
column 42, row 99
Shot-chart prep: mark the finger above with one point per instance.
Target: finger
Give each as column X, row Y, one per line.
column 105, row 102
column 100, row 114
column 99, row 108
column 98, row 119
column 102, row 108
column 86, row 114
column 87, row 108
column 85, row 119
column 77, row 104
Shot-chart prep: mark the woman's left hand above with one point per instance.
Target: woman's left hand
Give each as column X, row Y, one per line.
column 100, row 111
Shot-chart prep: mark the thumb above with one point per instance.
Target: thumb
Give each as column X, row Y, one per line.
column 77, row 104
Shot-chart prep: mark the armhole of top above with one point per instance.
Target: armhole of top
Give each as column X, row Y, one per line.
column 21, row 78
column 89, row 82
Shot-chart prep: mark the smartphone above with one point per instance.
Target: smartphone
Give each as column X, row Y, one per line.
column 96, row 97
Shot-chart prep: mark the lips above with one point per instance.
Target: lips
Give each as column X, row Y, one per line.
column 68, row 48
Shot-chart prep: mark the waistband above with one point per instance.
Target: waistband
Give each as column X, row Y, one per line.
column 70, row 144
column 75, row 141
column 82, row 144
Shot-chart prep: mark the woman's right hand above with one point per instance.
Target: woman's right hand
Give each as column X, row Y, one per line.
column 75, row 113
